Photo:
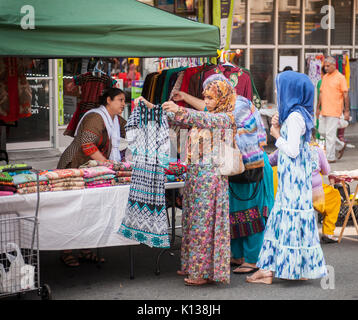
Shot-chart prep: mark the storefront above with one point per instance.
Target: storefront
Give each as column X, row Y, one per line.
column 272, row 35
column 277, row 33
column 56, row 59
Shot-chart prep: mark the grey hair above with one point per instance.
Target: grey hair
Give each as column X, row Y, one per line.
column 330, row 60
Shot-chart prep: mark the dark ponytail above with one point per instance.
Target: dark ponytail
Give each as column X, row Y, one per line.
column 112, row 93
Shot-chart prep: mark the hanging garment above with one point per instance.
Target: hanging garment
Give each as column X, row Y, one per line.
column 314, row 72
column 353, row 91
column 15, row 92
column 91, row 89
column 145, row 218
column 239, row 79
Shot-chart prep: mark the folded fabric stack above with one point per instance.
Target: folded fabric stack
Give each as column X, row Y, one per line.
column 65, row 179
column 175, row 172
column 27, row 183
column 123, row 173
column 97, row 177
column 7, row 187
column 14, row 169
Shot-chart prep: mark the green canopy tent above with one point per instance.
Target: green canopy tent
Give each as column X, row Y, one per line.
column 92, row 28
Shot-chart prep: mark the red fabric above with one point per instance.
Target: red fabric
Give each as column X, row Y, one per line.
column 189, row 72
column 13, row 92
column 239, row 79
column 92, row 88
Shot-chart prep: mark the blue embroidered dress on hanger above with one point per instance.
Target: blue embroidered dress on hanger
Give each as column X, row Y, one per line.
column 145, row 218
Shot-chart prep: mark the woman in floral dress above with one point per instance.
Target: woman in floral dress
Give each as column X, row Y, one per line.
column 205, row 250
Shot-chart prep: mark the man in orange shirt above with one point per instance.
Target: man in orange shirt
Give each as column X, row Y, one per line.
column 333, row 101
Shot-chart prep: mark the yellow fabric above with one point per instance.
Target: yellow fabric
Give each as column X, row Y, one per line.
column 347, row 71
column 329, row 208
column 275, row 180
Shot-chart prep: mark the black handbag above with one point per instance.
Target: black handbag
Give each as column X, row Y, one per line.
column 248, row 176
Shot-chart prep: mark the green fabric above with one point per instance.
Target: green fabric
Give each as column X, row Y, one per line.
column 255, row 95
column 111, row 28
column 166, row 82
column 319, row 83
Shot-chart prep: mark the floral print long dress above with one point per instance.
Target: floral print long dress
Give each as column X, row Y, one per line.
column 205, row 250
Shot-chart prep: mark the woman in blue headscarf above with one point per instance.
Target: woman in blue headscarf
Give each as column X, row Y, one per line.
column 291, row 247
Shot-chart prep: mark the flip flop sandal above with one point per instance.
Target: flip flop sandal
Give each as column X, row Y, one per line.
column 252, row 270
column 181, row 273
column 70, row 260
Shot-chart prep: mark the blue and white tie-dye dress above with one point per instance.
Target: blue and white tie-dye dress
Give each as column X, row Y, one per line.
column 291, row 247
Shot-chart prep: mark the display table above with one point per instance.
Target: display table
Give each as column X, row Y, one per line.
column 87, row 218
column 77, row 219
column 343, row 177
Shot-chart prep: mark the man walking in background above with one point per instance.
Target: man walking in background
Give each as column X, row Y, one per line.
column 333, row 101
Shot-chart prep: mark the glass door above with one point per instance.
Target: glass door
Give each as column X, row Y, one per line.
column 36, row 131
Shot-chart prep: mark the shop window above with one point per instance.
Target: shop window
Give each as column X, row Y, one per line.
column 239, row 22
column 36, row 127
column 313, row 53
column 289, row 58
column 342, row 31
column 262, row 22
column 38, row 68
column 167, row 5
column 289, row 22
column 261, row 68
column 314, row 33
column 239, row 60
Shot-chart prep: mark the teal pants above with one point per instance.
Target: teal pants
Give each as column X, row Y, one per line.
column 247, row 247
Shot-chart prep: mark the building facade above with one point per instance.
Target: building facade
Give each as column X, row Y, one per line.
column 270, row 33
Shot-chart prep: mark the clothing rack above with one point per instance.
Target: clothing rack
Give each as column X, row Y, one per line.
column 171, row 63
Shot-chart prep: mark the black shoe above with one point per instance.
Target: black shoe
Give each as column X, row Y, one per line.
column 327, row 239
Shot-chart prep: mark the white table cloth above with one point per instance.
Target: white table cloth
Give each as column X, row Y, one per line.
column 76, row 219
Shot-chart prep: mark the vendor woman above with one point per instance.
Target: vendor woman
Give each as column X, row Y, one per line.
column 97, row 134
column 97, row 137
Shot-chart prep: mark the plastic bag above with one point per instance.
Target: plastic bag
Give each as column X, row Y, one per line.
column 20, row 276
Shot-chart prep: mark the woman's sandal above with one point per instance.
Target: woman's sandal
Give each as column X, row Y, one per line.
column 241, row 267
column 235, row 262
column 260, row 276
column 196, row 282
column 181, row 273
column 70, row 260
column 88, row 255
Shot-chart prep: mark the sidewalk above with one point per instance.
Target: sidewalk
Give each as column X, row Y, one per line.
column 111, row 281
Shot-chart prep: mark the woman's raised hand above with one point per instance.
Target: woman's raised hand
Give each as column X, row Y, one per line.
column 178, row 95
column 275, row 120
column 139, row 99
column 170, row 106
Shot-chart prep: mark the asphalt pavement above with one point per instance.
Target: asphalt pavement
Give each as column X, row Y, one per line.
column 111, row 280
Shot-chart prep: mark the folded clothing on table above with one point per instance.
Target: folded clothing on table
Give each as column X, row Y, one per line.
column 27, row 183
column 175, row 172
column 117, row 181
column 7, row 186
column 65, row 179
column 14, row 169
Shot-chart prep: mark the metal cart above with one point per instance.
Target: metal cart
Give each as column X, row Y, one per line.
column 19, row 254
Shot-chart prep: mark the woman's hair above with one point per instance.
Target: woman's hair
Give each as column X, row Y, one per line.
column 112, row 93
